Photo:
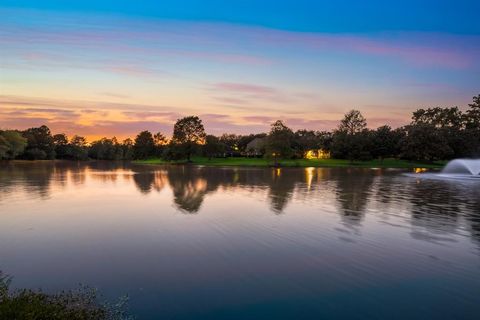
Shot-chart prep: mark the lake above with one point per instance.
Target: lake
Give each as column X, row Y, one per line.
column 245, row 243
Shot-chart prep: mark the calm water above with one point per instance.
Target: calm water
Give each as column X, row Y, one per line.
column 237, row 243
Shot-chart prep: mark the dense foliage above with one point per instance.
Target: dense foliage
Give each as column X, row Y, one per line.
column 81, row 304
column 434, row 134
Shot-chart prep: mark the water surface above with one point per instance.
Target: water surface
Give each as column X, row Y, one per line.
column 245, row 243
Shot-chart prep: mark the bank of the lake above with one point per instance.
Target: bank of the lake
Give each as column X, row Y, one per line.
column 326, row 163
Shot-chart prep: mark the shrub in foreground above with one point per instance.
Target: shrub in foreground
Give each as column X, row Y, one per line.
column 80, row 304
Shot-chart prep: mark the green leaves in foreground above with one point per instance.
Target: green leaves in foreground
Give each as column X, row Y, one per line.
column 80, row 304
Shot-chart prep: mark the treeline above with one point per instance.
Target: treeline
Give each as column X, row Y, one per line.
column 434, row 134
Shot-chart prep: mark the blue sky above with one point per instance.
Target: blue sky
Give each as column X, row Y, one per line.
column 300, row 15
column 103, row 68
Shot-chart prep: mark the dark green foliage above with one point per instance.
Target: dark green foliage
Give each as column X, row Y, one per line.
column 39, row 144
column 352, row 123
column 386, row 142
column 439, row 117
column 352, row 140
column 472, row 116
column 144, row 145
column 160, row 143
column 424, row 142
column 279, row 142
column 12, row 144
column 356, row 146
column 81, row 304
column 75, row 149
column 127, row 149
column 78, row 148
column 109, row 149
column 213, row 147
column 61, row 146
column 188, row 134
column 305, row 140
column 231, row 143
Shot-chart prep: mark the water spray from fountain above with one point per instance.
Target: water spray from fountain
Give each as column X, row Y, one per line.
column 463, row 167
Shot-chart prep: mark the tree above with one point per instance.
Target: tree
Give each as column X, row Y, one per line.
column 231, row 143
column 39, row 143
column 213, row 147
column 127, row 149
column 439, row 117
column 385, row 142
column 160, row 143
column 12, row 144
column 60, row 142
column 352, row 140
column 188, row 134
column 78, row 148
column 144, row 145
column 305, row 140
column 352, row 123
column 473, row 114
column 450, row 123
column 424, row 142
column 279, row 141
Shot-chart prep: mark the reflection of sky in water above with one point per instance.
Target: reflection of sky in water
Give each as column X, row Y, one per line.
column 228, row 242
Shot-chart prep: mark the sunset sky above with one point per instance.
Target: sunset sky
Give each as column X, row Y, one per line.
column 114, row 68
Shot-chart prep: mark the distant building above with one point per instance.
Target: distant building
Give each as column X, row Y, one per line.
column 256, row 147
column 317, row 154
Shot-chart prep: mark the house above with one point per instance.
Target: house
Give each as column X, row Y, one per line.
column 256, row 147
column 317, row 154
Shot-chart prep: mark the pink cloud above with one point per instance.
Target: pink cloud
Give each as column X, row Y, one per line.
column 244, row 88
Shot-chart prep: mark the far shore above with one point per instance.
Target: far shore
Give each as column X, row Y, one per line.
column 303, row 163
column 262, row 162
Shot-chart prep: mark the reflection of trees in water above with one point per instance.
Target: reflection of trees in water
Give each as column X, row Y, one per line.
column 472, row 211
column 353, row 191
column 435, row 205
column 473, row 214
column 191, row 184
column 41, row 177
column 35, row 177
column 281, row 186
column 144, row 181
column 440, row 207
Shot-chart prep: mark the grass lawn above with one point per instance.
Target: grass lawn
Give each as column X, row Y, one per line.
column 329, row 163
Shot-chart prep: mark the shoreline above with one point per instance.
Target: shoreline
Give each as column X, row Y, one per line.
column 262, row 163
column 297, row 163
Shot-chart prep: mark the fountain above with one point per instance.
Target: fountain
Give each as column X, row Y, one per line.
column 463, row 167
column 458, row 169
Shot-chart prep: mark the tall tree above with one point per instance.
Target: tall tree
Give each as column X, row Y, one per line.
column 473, row 114
column 78, row 148
column 353, row 122
column 60, row 141
column 39, row 143
column 127, row 149
column 279, row 141
column 144, row 145
column 160, row 143
column 439, row 117
column 352, row 140
column 424, row 142
column 188, row 134
column 385, row 142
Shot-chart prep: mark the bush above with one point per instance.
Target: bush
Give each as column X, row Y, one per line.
column 80, row 304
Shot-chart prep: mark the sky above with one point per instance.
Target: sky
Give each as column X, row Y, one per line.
column 115, row 68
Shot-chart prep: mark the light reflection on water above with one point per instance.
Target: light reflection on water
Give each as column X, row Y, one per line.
column 237, row 243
